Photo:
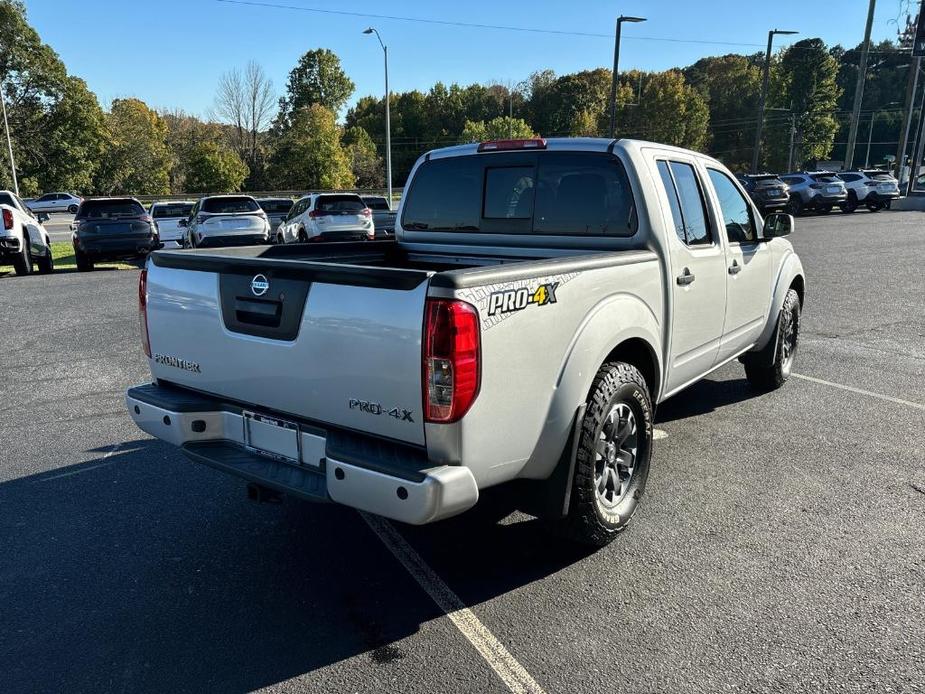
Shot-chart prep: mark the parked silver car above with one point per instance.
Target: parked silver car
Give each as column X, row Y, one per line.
column 818, row 191
column 872, row 188
column 56, row 202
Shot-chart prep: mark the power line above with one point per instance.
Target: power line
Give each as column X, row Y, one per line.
column 474, row 25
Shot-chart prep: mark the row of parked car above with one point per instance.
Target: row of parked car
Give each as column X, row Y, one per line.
column 107, row 229
column 821, row 191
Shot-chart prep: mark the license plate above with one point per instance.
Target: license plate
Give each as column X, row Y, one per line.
column 833, row 189
column 272, row 437
column 234, row 224
column 776, row 194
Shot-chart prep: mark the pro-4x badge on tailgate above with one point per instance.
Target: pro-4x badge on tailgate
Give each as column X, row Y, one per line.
column 509, row 300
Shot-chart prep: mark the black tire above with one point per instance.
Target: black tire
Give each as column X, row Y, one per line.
column 824, row 210
column 22, row 263
column 851, row 204
column 794, row 205
column 72, row 209
column 593, row 519
column 303, row 237
column 280, row 240
column 766, row 378
column 875, row 206
column 84, row 264
column 46, row 263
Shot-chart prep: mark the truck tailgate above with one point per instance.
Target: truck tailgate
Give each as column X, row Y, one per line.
column 333, row 344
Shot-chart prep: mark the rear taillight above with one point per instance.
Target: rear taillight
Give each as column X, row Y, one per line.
column 146, row 218
column 7, row 219
column 451, row 359
column 367, row 212
column 201, row 219
column 143, row 312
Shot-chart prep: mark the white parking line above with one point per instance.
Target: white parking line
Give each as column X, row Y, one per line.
column 659, row 434
column 499, row 659
column 861, row 391
column 102, row 463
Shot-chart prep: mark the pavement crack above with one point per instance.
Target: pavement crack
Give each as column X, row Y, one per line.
column 917, row 487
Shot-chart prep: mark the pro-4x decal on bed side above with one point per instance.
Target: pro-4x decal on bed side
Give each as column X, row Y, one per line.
column 500, row 301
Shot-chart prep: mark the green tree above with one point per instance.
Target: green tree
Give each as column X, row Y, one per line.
column 184, row 135
column 56, row 123
column 317, row 78
column 730, row 84
column 214, row 169
column 669, row 111
column 136, row 159
column 573, row 104
column 807, row 80
column 365, row 162
column 309, row 154
column 500, row 128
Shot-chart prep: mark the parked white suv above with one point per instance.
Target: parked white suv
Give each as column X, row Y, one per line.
column 167, row 218
column 226, row 220
column 873, row 188
column 23, row 239
column 56, row 202
column 328, row 217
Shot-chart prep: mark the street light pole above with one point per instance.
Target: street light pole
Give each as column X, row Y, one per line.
column 388, row 124
column 616, row 63
column 9, row 141
column 765, row 80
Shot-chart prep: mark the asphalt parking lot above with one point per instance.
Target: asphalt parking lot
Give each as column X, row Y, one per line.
column 780, row 547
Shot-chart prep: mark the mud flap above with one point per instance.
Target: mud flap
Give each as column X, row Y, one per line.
column 550, row 498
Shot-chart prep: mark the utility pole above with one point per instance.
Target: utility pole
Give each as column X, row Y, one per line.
column 912, row 84
column 616, row 63
column 9, row 141
column 859, row 87
column 388, row 125
column 756, row 152
column 793, row 132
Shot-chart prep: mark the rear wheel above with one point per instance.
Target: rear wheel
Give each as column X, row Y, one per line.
column 303, row 237
column 851, row 204
column 279, row 239
column 794, row 206
column 72, row 209
column 765, row 377
column 612, row 462
column 875, row 206
column 84, row 264
column 825, row 210
column 22, row 264
column 46, row 263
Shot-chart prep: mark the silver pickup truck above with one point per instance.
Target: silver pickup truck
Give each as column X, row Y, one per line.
column 539, row 299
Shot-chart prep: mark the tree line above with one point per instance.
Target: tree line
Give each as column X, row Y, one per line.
column 256, row 139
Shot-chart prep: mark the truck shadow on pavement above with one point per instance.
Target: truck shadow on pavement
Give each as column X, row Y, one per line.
column 144, row 572
column 704, row 397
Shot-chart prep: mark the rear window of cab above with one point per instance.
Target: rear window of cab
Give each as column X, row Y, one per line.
column 549, row 193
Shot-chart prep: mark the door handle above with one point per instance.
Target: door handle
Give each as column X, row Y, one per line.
column 685, row 278
column 735, row 268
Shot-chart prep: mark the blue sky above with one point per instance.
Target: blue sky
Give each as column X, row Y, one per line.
column 170, row 53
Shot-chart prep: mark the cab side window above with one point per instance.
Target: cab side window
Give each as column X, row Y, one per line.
column 736, row 212
column 689, row 196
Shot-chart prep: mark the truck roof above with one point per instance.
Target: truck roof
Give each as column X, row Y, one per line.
column 571, row 144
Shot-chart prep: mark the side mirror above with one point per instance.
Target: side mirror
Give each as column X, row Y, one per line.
column 777, row 224
column 183, row 223
column 43, row 217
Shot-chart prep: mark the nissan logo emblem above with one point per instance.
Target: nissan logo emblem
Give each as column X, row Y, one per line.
column 260, row 285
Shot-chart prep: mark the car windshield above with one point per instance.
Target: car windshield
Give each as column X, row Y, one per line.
column 378, row 204
column 229, row 205
column 109, row 209
column 171, row 210
column 766, row 181
column 340, row 203
column 275, row 206
column 6, row 199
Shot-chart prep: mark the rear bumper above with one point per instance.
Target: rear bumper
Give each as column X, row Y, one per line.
column 820, row 200
column 225, row 240
column 368, row 474
column 116, row 250
column 9, row 246
column 877, row 196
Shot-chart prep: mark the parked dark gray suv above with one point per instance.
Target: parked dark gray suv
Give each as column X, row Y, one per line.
column 766, row 190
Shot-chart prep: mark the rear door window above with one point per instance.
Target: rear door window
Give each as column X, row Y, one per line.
column 696, row 230
column 673, row 202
